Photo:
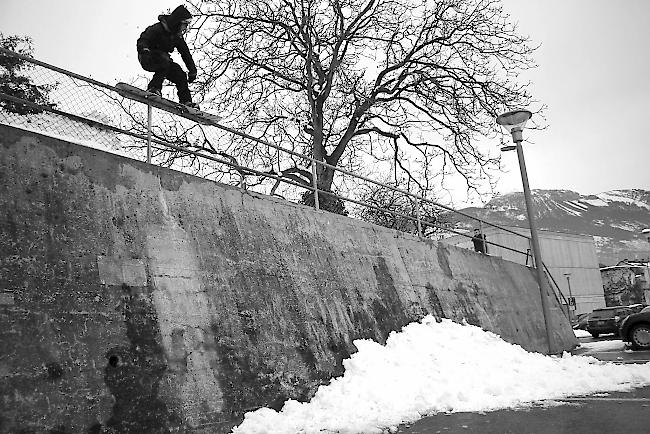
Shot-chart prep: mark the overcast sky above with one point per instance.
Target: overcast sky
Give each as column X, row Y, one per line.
column 593, row 76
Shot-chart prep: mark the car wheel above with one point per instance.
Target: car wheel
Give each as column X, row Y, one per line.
column 594, row 334
column 640, row 337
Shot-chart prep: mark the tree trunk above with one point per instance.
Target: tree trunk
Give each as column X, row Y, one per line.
column 326, row 200
column 325, row 177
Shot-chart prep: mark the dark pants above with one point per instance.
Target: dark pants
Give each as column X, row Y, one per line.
column 163, row 67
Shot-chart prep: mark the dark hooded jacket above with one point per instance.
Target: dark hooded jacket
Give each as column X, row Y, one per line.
column 165, row 36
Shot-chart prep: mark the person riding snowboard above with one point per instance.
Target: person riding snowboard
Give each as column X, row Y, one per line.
column 154, row 47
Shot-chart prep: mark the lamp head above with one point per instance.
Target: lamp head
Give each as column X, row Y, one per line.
column 514, row 122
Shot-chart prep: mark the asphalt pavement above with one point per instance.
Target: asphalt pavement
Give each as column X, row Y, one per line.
column 613, row 413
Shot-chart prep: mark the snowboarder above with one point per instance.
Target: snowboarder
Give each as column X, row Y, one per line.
column 154, row 47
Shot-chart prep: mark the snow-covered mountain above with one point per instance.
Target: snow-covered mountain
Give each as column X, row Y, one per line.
column 614, row 218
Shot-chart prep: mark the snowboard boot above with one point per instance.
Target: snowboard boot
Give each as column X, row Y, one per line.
column 191, row 105
column 155, row 91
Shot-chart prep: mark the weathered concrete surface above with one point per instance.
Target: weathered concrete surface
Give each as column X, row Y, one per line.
column 145, row 300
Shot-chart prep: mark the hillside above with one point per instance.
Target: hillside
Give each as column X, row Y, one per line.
column 614, row 218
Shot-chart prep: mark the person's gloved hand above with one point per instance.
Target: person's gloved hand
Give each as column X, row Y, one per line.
column 191, row 76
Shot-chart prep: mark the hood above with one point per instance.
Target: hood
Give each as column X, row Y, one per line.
column 173, row 20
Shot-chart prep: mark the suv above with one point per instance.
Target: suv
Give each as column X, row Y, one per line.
column 607, row 319
column 635, row 329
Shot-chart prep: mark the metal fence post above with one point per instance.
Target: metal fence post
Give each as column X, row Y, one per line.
column 148, row 133
column 417, row 216
column 314, row 182
column 242, row 181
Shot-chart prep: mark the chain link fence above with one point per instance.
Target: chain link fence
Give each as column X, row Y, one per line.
column 49, row 100
column 63, row 104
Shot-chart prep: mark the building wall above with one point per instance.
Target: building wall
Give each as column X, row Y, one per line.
column 562, row 253
column 139, row 299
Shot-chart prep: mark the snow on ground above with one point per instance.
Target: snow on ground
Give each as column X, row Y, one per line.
column 599, row 346
column 602, row 346
column 601, row 241
column 625, row 226
column 577, row 204
column 432, row 367
column 581, row 333
column 568, row 210
column 595, row 202
column 615, row 196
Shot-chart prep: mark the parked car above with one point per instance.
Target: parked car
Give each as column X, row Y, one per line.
column 580, row 322
column 635, row 329
column 607, row 319
column 636, row 308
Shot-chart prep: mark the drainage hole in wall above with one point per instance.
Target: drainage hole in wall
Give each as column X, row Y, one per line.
column 114, row 361
column 54, row 370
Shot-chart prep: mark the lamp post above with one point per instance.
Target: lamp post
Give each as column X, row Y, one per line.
column 646, row 233
column 514, row 122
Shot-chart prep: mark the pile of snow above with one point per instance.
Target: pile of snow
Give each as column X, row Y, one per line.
column 432, row 367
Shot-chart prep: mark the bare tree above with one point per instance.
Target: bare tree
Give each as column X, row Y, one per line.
column 391, row 208
column 358, row 84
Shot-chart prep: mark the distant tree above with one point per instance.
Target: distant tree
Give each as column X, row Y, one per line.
column 399, row 211
column 404, row 84
column 14, row 83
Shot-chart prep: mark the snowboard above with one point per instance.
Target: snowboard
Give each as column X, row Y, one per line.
column 157, row 101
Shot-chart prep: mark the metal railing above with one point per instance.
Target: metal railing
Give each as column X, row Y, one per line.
column 97, row 114
column 557, row 292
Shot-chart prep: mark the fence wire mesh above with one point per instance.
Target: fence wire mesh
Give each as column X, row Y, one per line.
column 46, row 99
column 95, row 114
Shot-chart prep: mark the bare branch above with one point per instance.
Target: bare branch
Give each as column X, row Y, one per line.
column 411, row 81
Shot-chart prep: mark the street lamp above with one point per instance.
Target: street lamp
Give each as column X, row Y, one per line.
column 514, row 122
column 646, row 233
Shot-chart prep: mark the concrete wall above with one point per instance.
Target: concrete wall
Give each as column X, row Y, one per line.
column 142, row 299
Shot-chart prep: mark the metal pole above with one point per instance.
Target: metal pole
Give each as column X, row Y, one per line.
column 537, row 254
column 149, row 133
column 417, row 216
column 314, row 182
column 568, row 282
